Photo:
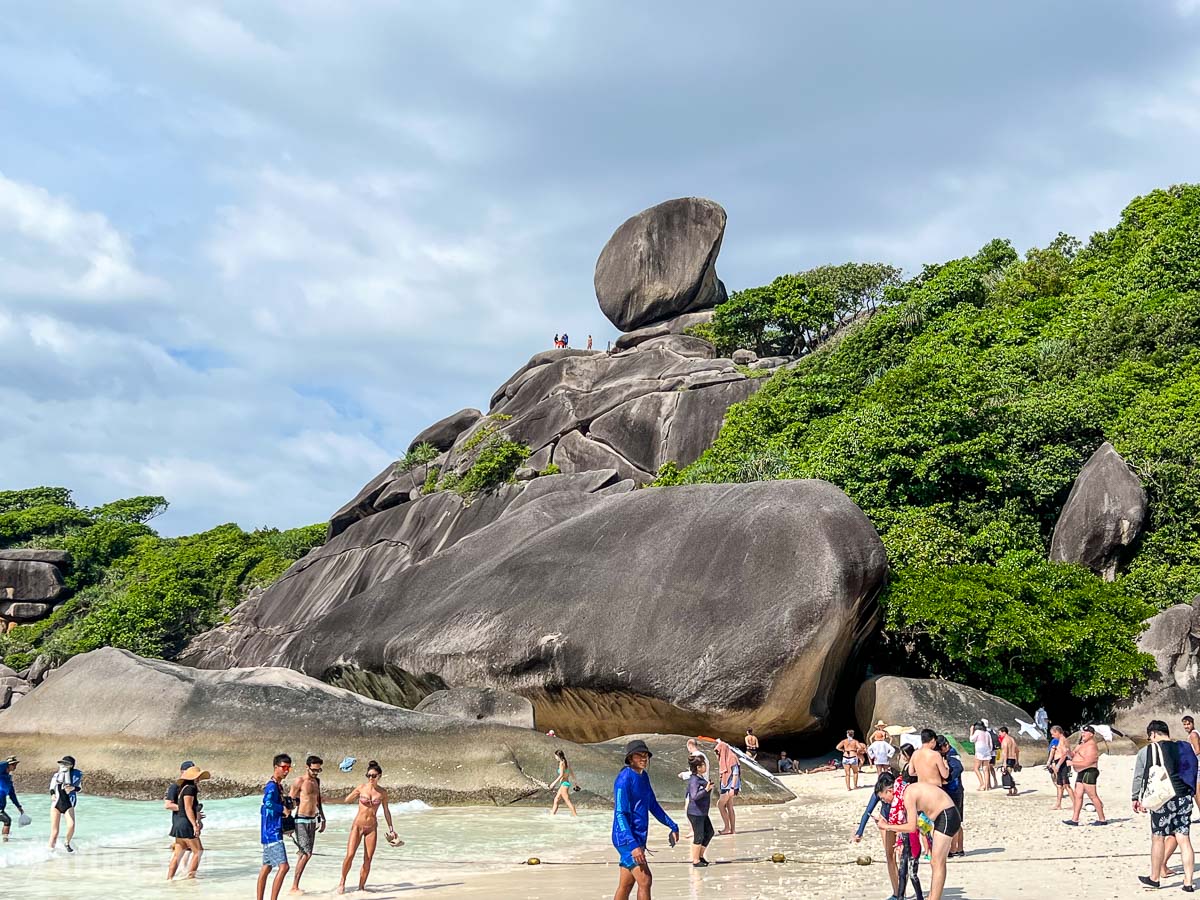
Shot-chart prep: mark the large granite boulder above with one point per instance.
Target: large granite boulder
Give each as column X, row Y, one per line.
column 576, row 602
column 23, row 579
column 944, row 706
column 443, row 433
column 480, row 705
column 59, row 558
column 662, row 263
column 1172, row 691
column 1103, row 516
column 131, row 720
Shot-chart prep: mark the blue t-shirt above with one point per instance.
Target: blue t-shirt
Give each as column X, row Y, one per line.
column 954, row 782
column 633, row 802
column 1187, row 763
column 272, row 813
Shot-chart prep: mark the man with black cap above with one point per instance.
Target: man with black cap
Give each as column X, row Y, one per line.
column 633, row 802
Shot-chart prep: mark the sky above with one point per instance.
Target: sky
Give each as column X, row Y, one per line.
column 249, row 249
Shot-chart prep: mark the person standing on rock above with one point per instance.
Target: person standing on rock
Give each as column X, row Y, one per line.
column 633, row 804
column 751, row 744
column 274, row 854
column 566, row 341
column 562, row 785
column 1085, row 760
column 589, row 344
column 310, row 814
column 7, row 792
column 1172, row 819
column 730, row 772
column 65, row 786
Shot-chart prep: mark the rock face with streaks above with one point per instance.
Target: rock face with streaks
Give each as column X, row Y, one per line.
column 566, row 601
column 1172, row 637
column 31, row 585
column 1103, row 515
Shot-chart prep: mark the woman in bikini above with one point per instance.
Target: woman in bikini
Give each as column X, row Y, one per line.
column 364, row 828
column 565, row 780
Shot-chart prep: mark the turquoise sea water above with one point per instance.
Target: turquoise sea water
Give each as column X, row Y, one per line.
column 122, row 849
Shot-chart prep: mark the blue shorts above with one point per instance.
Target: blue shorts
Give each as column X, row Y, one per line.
column 627, row 861
column 274, row 854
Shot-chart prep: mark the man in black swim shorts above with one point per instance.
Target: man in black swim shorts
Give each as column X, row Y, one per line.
column 939, row 807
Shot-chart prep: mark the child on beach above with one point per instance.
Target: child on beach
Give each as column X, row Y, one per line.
column 699, row 796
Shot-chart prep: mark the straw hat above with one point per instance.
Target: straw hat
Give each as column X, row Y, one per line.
column 195, row 773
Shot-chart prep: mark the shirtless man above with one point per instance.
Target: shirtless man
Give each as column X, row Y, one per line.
column 1086, row 763
column 1060, row 772
column 751, row 744
column 1193, row 736
column 938, row 807
column 310, row 814
column 930, row 766
column 851, row 751
column 1010, row 757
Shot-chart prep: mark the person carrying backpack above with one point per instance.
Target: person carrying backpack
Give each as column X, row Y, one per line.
column 1160, row 789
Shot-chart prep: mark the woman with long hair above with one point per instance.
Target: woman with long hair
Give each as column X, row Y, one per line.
column 365, row 827
column 565, row 780
column 65, row 786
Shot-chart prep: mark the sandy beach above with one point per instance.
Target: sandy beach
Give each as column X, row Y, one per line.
column 1016, row 848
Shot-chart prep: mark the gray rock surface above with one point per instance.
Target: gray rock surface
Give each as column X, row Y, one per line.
column 677, row 325
column 363, row 503
column 744, row 357
column 37, row 672
column 443, row 433
column 944, row 706
column 30, row 580
column 545, row 603
column 59, row 558
column 233, row 722
column 1172, row 637
column 480, row 705
column 662, row 263
column 22, row 611
column 1103, row 515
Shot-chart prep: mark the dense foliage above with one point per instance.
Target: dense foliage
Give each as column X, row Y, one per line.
column 958, row 415
column 134, row 589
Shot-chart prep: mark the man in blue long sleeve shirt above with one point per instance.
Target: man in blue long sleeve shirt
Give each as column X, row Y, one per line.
column 6, row 791
column 633, row 802
column 271, row 832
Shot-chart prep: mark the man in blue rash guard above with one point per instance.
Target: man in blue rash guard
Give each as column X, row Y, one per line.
column 633, row 802
column 7, row 791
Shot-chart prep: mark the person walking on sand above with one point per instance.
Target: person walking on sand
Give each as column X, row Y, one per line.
column 274, row 853
column 938, row 808
column 1086, row 763
column 364, row 829
column 751, row 744
column 8, row 792
column 982, row 739
column 65, row 786
column 730, row 772
column 1010, row 754
column 851, row 752
column 633, row 804
column 563, row 783
column 1060, row 773
column 185, row 821
column 310, row 814
column 699, row 796
column 1173, row 818
column 953, row 787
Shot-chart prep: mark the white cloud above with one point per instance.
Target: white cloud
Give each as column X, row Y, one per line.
column 50, row 248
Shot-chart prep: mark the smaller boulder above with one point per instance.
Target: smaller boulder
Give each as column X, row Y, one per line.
column 20, row 611
column 483, row 705
column 944, row 706
column 443, row 433
column 744, row 357
column 1103, row 515
column 5, row 695
column 37, row 672
column 30, row 580
column 59, row 558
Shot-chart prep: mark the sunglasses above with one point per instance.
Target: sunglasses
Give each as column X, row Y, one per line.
column 372, row 774
column 316, row 770
column 287, row 767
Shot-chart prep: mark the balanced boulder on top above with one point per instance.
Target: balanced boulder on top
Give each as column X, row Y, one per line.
column 662, row 263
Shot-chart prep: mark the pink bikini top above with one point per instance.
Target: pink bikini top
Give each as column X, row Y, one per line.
column 369, row 802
